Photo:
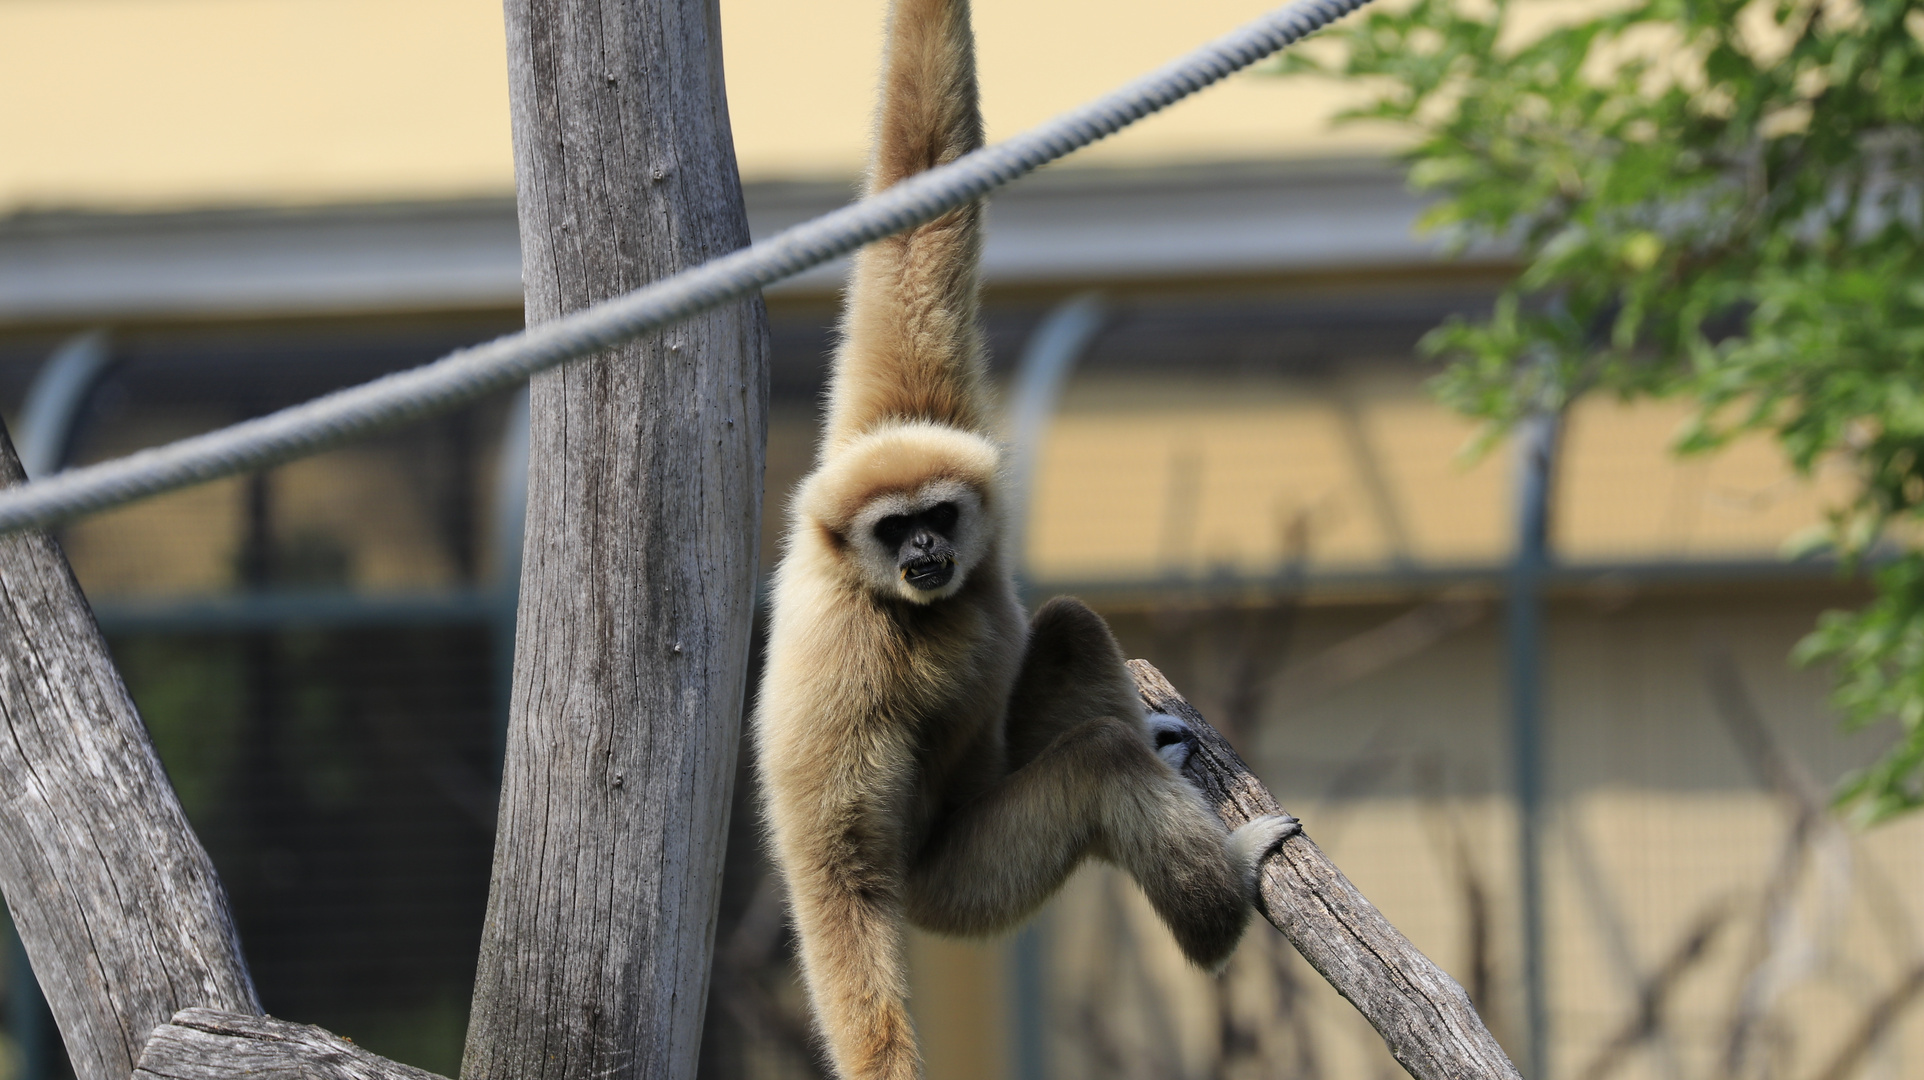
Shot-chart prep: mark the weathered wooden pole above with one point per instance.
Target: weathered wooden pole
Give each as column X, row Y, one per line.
column 116, row 901
column 645, row 485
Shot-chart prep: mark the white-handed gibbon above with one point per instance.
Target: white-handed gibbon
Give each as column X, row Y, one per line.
column 927, row 754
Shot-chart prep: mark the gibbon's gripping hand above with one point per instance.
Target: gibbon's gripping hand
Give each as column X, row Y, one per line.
column 1174, row 742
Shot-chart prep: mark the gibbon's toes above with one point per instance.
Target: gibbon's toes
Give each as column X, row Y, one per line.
column 1257, row 838
column 1173, row 740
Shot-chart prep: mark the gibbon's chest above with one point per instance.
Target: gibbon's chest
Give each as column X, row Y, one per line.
column 959, row 658
column 957, row 645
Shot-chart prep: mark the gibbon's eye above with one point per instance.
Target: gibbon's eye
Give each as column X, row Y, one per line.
column 894, row 529
column 942, row 518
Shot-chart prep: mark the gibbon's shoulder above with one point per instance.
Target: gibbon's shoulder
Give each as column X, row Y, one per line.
column 898, row 458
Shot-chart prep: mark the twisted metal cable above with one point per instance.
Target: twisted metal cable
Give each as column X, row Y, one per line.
column 471, row 373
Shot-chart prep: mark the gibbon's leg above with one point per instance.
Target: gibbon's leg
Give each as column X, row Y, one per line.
column 1097, row 787
column 1072, row 671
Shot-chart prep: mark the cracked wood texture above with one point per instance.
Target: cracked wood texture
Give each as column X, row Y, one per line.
column 1420, row 1011
column 212, row 1044
column 122, row 915
column 637, row 588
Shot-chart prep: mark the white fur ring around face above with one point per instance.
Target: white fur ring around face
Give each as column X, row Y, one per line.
column 1171, row 738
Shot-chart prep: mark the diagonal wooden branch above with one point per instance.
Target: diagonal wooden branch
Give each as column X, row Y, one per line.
column 116, row 901
column 210, row 1044
column 1421, row 1012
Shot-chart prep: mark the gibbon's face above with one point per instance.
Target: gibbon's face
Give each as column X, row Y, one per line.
column 921, row 545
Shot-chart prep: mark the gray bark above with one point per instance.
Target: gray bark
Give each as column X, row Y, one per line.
column 117, row 903
column 639, row 564
column 210, row 1044
column 1423, row 1014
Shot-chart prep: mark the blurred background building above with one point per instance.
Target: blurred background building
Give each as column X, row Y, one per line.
column 210, row 209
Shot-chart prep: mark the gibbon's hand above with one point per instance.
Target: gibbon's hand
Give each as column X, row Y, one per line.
column 1174, row 742
column 1172, row 738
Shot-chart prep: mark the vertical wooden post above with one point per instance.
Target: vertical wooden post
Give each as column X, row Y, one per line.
column 645, row 482
column 115, row 899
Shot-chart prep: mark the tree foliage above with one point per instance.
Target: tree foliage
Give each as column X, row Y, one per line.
column 1711, row 199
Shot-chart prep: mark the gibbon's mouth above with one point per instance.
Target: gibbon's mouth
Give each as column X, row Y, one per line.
column 928, row 574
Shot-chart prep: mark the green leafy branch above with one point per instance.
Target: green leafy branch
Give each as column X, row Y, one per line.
column 1715, row 200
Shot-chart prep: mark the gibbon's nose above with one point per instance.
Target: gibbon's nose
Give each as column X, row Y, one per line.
column 923, row 540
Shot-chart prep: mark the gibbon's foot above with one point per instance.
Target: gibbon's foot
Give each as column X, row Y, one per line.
column 1172, row 739
column 1255, row 839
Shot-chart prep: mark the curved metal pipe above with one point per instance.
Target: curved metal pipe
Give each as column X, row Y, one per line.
column 1050, row 354
column 60, row 389
column 1054, row 348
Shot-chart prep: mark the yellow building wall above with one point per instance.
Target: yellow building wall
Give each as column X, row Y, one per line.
column 1147, row 477
column 1140, row 479
column 155, row 104
column 131, row 103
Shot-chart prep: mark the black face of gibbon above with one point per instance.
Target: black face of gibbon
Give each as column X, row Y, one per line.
column 924, row 544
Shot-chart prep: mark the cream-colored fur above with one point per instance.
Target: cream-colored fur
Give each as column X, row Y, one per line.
column 930, row 755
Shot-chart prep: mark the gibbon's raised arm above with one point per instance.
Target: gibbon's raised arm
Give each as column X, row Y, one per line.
column 910, row 346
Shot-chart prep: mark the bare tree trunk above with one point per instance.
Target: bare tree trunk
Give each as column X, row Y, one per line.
column 119, row 908
column 645, row 484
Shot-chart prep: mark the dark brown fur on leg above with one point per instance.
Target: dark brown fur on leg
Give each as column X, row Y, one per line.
column 1072, row 671
column 1094, row 786
column 1097, row 790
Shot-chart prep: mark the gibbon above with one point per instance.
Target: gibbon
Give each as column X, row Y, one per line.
column 927, row 754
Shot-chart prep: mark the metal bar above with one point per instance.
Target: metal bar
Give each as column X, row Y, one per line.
column 1395, row 582
column 1536, row 439
column 1051, row 353
column 273, row 610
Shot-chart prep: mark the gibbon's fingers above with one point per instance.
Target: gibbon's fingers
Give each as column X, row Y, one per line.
column 851, row 951
column 1072, row 672
column 1174, row 741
